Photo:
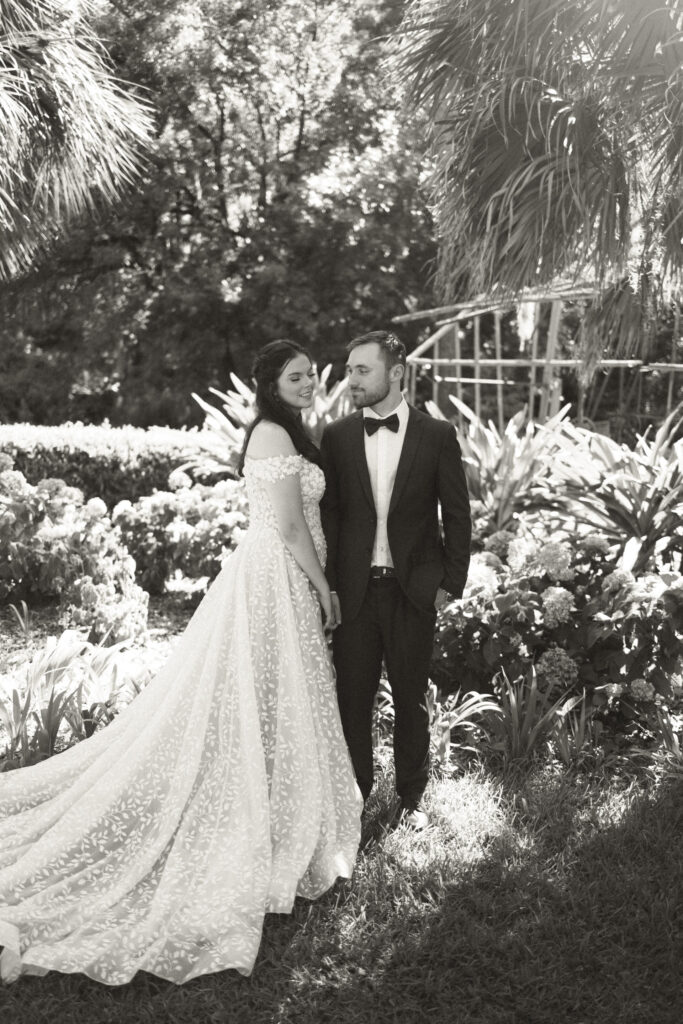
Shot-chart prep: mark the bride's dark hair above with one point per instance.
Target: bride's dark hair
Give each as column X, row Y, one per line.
column 269, row 363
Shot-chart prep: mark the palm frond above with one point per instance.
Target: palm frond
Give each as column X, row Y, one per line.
column 557, row 134
column 72, row 135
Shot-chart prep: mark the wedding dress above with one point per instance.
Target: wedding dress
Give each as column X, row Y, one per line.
column 219, row 794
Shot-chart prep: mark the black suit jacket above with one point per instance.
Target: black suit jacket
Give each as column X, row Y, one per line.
column 429, row 474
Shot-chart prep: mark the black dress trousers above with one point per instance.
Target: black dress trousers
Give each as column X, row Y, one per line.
column 388, row 627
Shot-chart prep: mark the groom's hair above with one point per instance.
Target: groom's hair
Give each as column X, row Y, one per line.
column 393, row 350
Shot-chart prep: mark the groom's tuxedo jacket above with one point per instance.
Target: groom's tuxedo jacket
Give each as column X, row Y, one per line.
column 429, row 474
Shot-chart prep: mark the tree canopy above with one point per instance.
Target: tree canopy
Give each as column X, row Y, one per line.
column 557, row 135
column 281, row 198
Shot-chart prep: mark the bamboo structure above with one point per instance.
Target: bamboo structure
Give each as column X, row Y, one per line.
column 544, row 401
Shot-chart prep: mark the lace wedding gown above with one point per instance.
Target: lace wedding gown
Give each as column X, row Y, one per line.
column 219, row 794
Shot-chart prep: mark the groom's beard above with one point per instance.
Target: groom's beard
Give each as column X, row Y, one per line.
column 363, row 397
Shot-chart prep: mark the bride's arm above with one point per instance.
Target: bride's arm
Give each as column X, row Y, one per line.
column 267, row 441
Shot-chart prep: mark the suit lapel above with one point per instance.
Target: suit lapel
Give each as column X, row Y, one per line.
column 358, row 448
column 411, row 443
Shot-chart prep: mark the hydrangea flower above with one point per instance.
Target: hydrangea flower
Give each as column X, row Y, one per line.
column 620, row 579
column 647, row 588
column 178, row 480
column 123, row 508
column 557, row 669
column 482, row 580
column 641, row 689
column 555, row 559
column 51, row 485
column 12, row 482
column 95, row 508
column 614, row 691
column 499, row 542
column 558, row 605
column 6, row 462
column 179, row 531
column 592, row 542
column 521, row 554
column 72, row 495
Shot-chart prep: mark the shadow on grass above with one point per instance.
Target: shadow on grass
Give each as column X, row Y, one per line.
column 547, row 903
column 573, row 918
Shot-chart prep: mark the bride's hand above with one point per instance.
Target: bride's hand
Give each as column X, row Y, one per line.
column 329, row 619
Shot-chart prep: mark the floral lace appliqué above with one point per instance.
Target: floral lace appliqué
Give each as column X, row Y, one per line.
column 219, row 794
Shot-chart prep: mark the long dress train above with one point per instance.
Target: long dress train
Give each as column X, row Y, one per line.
column 219, row 794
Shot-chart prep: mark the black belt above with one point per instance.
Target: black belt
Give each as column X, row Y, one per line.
column 382, row 572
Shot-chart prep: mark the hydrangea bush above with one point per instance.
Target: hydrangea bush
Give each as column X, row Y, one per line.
column 54, row 544
column 188, row 530
column 567, row 609
column 106, row 462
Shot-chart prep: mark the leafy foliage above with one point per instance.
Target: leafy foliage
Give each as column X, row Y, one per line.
column 634, row 497
column 101, row 461
column 505, row 472
column 55, row 545
column 67, row 691
column 71, row 135
column 526, row 719
column 187, row 532
column 281, row 200
column 602, row 631
column 556, row 132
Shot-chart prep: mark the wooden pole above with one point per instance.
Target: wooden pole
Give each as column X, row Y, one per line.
column 581, row 399
column 477, row 356
column 629, row 364
column 458, row 370
column 412, row 382
column 550, row 346
column 674, row 348
column 532, row 368
column 435, row 383
column 499, row 374
column 639, row 404
column 598, row 394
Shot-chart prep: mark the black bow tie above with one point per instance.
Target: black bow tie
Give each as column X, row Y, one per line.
column 372, row 424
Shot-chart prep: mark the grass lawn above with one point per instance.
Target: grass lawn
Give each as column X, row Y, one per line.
column 535, row 898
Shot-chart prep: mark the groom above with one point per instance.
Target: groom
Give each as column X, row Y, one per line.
column 389, row 468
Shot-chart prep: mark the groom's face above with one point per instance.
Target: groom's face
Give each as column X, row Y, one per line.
column 368, row 374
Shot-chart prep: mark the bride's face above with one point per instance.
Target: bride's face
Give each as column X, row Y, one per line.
column 295, row 383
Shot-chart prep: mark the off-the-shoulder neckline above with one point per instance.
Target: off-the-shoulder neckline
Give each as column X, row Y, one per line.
column 266, row 458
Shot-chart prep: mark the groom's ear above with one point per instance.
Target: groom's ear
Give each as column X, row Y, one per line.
column 396, row 371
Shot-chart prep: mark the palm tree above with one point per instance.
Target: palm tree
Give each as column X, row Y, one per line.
column 557, row 138
column 70, row 136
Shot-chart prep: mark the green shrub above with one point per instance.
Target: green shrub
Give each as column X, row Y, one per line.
column 567, row 610
column 55, row 545
column 188, row 531
column 111, row 463
column 505, row 472
column 634, row 497
column 67, row 691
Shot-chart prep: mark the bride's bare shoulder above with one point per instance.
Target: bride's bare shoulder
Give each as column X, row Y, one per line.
column 268, row 440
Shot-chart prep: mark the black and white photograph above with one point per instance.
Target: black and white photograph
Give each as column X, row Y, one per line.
column 341, row 511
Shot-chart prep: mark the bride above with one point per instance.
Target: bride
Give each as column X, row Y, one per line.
column 225, row 788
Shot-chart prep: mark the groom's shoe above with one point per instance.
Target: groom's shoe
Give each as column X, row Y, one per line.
column 414, row 815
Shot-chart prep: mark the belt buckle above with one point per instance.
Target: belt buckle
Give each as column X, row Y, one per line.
column 382, row 572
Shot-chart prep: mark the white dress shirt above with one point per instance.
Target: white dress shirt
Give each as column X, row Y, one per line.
column 382, row 451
